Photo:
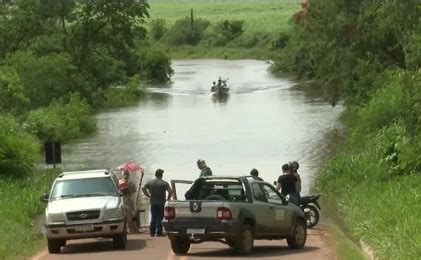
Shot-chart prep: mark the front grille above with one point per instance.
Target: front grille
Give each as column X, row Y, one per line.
column 83, row 215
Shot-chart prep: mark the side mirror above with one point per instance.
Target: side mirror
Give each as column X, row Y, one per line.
column 44, row 198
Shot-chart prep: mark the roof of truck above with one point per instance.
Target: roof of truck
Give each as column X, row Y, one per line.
column 84, row 174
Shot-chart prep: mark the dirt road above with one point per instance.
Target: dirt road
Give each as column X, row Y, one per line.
column 143, row 246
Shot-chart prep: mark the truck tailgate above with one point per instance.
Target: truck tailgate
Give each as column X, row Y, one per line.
column 195, row 209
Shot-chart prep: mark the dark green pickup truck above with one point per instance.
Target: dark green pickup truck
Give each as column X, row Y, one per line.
column 234, row 211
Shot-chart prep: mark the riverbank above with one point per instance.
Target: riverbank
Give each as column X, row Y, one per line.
column 374, row 177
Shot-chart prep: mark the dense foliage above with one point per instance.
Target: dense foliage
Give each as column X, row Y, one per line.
column 367, row 53
column 60, row 58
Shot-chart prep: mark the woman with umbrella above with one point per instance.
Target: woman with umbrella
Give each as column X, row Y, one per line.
column 129, row 190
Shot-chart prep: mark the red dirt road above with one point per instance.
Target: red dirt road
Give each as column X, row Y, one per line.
column 143, row 246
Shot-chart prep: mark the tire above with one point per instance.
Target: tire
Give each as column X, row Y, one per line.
column 298, row 239
column 312, row 215
column 63, row 242
column 244, row 244
column 230, row 242
column 180, row 245
column 54, row 245
column 120, row 241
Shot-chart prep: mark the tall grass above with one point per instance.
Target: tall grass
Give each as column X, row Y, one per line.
column 20, row 232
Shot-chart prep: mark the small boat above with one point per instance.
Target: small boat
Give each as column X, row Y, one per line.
column 220, row 89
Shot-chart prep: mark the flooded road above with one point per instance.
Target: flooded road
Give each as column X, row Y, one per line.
column 265, row 122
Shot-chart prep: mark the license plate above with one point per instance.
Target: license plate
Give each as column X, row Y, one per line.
column 195, row 231
column 84, row 228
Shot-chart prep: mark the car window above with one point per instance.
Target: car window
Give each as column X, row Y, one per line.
column 84, row 188
column 271, row 195
column 258, row 193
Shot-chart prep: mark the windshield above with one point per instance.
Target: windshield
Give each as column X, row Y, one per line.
column 83, row 188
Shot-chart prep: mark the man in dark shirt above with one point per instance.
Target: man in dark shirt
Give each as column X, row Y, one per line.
column 287, row 184
column 155, row 190
column 204, row 169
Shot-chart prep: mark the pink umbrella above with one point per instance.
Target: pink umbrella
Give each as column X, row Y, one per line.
column 131, row 167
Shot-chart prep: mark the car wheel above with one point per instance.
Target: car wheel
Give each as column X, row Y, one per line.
column 299, row 237
column 180, row 245
column 312, row 215
column 245, row 242
column 230, row 242
column 120, row 241
column 54, row 245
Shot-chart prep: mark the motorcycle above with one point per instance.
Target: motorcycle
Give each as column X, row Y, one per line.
column 311, row 208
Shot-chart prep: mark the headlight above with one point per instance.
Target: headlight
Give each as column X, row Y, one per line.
column 113, row 213
column 55, row 218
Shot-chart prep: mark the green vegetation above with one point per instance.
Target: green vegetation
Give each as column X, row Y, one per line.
column 345, row 248
column 367, row 54
column 224, row 29
column 20, row 229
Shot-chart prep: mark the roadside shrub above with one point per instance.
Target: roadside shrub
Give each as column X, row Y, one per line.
column 184, row 32
column 225, row 31
column 18, row 149
column 62, row 120
column 157, row 28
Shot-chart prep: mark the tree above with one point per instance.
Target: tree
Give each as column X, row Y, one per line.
column 12, row 98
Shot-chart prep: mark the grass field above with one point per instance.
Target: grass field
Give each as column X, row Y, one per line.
column 261, row 17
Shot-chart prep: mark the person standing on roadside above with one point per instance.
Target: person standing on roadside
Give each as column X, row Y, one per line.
column 204, row 169
column 255, row 173
column 156, row 190
column 128, row 188
column 294, row 170
column 287, row 184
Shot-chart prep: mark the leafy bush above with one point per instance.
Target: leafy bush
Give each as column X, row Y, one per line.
column 225, row 31
column 281, row 41
column 157, row 28
column 155, row 66
column 184, row 32
column 62, row 120
column 12, row 98
column 18, row 149
column 128, row 94
column 44, row 78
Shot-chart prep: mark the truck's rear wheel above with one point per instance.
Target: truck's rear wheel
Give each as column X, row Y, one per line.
column 180, row 245
column 54, row 245
column 298, row 239
column 245, row 242
column 120, row 241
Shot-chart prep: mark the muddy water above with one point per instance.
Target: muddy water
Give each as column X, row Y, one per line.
column 264, row 122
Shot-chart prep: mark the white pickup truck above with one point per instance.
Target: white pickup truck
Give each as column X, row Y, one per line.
column 234, row 211
column 84, row 204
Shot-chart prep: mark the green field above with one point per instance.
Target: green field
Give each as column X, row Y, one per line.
column 264, row 21
column 265, row 15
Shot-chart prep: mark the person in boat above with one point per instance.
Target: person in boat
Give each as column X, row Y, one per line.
column 219, row 82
